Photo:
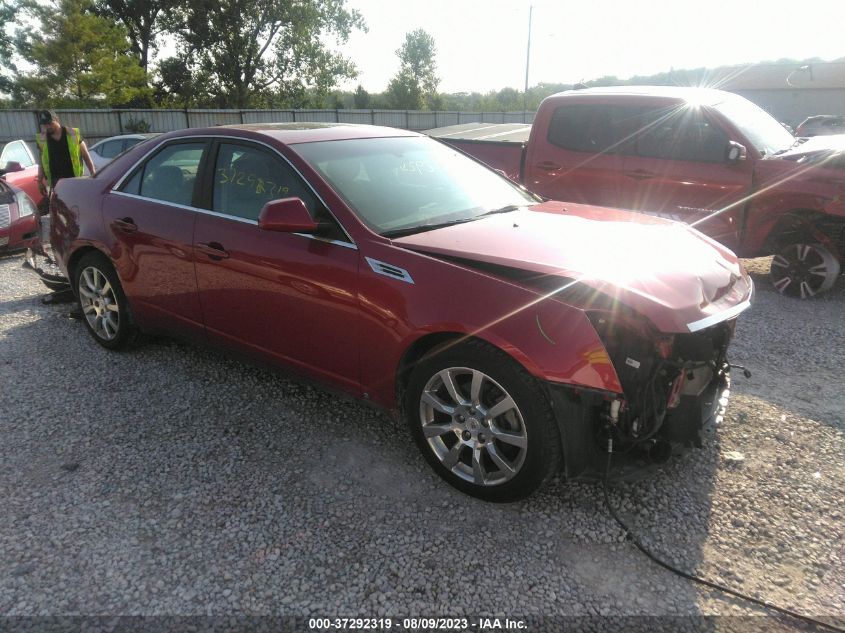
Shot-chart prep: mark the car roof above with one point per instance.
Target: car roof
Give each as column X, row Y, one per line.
column 309, row 132
column 120, row 137
column 681, row 93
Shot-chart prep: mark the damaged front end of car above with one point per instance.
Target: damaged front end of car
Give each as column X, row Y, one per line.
column 674, row 386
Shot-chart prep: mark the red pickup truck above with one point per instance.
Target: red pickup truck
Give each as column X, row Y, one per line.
column 705, row 157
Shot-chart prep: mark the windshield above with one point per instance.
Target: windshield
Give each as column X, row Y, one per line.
column 758, row 126
column 403, row 183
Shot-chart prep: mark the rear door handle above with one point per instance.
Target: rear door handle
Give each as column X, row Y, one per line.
column 214, row 250
column 640, row 174
column 125, row 225
column 548, row 166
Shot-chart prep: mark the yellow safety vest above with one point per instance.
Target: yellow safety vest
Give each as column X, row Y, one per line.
column 74, row 141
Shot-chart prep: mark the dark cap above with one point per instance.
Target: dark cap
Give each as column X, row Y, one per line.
column 46, row 116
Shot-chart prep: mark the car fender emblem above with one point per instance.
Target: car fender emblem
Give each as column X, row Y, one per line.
column 389, row 270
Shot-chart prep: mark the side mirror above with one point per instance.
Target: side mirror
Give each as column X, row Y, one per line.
column 735, row 153
column 288, row 215
column 12, row 166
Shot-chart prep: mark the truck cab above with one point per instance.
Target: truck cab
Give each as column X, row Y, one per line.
column 705, row 157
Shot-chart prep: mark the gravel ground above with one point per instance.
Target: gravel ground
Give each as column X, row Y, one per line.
column 170, row 480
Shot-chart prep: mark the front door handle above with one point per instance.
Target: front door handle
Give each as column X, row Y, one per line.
column 548, row 166
column 214, row 250
column 125, row 225
column 640, row 174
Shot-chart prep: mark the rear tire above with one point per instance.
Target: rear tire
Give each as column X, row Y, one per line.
column 482, row 422
column 102, row 302
column 804, row 270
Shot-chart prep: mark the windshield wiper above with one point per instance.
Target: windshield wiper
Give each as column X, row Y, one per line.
column 506, row 209
column 422, row 228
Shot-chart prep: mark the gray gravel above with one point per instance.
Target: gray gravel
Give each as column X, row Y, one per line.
column 171, row 480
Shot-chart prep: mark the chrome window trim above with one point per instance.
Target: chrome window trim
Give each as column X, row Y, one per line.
column 229, row 217
column 184, row 206
column 146, row 155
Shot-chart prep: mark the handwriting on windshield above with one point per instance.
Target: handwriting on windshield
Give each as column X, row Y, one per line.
column 418, row 166
column 261, row 187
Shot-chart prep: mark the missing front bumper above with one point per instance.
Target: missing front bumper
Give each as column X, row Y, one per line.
column 578, row 415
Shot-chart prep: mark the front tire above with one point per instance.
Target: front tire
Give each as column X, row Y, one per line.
column 102, row 302
column 482, row 422
column 804, row 270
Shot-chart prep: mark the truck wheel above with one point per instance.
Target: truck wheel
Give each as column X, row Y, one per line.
column 804, row 270
column 482, row 422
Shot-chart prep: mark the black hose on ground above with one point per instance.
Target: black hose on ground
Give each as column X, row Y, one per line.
column 697, row 579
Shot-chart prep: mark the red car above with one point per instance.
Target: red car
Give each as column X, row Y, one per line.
column 19, row 167
column 18, row 218
column 515, row 336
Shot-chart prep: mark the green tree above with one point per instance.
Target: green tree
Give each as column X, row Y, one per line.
column 177, row 85
column 361, row 98
column 7, row 16
column 142, row 20
column 256, row 51
column 78, row 56
column 414, row 87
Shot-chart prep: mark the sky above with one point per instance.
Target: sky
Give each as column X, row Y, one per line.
column 481, row 45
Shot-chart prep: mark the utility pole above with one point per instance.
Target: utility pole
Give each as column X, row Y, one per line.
column 527, row 60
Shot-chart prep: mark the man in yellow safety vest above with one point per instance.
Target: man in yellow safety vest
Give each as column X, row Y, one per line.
column 62, row 151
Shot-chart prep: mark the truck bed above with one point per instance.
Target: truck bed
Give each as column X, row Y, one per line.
column 498, row 145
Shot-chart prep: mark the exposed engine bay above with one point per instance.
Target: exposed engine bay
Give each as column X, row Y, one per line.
column 673, row 386
column 664, row 380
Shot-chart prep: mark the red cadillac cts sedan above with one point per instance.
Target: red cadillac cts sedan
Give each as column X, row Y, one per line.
column 515, row 336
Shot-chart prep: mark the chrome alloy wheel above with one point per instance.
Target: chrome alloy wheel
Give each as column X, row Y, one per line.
column 473, row 426
column 804, row 270
column 99, row 303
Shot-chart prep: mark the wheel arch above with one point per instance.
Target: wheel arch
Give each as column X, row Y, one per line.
column 76, row 256
column 804, row 224
column 425, row 344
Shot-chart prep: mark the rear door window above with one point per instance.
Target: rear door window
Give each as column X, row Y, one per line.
column 594, row 128
column 170, row 175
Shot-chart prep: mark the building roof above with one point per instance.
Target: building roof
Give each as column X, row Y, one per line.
column 496, row 132
column 819, row 75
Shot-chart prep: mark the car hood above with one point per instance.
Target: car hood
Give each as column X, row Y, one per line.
column 670, row 273
column 825, row 144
